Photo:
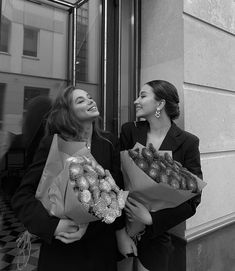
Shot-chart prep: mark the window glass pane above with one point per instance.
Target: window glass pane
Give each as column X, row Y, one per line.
column 32, row 92
column 41, row 32
column 88, row 54
column 5, row 29
column 128, row 56
column 82, row 28
column 2, row 94
column 30, row 42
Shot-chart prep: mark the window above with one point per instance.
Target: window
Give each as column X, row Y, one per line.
column 2, row 95
column 82, row 43
column 30, row 42
column 5, row 34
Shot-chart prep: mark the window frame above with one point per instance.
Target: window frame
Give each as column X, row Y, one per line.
column 2, row 100
column 37, row 42
column 5, row 22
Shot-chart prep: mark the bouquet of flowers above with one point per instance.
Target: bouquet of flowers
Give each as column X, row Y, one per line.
column 73, row 185
column 156, row 180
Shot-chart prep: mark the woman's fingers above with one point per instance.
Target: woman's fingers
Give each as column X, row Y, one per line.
column 129, row 205
column 133, row 201
column 129, row 216
column 128, row 212
column 83, row 226
column 134, row 248
column 63, row 234
column 72, row 235
column 62, row 239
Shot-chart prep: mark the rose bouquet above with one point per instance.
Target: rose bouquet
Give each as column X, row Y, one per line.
column 95, row 188
column 156, row 180
column 73, row 185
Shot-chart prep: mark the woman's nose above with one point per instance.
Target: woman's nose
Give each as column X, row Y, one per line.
column 90, row 101
column 136, row 101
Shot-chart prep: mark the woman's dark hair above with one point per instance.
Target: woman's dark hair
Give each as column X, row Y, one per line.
column 34, row 121
column 164, row 90
column 62, row 119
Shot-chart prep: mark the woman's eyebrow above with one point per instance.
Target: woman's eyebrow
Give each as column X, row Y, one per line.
column 143, row 92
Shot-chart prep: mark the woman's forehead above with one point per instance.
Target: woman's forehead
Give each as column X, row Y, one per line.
column 79, row 93
column 146, row 89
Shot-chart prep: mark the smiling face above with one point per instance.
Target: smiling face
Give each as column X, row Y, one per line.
column 84, row 106
column 146, row 104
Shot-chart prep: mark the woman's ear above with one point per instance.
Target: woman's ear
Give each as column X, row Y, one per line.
column 162, row 104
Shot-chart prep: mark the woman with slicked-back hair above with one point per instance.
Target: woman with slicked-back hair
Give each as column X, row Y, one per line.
column 158, row 104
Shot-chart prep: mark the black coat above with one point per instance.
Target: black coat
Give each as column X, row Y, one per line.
column 155, row 245
column 97, row 249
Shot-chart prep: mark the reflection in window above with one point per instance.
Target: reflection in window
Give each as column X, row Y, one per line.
column 82, row 24
column 5, row 34
column 2, row 94
column 88, row 42
column 30, row 42
column 31, row 92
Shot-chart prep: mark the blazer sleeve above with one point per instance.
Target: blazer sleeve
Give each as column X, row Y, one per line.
column 28, row 209
column 192, row 158
column 165, row 219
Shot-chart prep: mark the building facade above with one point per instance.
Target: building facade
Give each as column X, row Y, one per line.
column 192, row 44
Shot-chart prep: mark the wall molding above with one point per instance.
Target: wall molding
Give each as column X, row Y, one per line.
column 206, row 22
column 209, row 227
column 209, row 89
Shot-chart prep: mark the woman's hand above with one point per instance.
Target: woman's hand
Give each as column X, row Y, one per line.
column 68, row 231
column 137, row 211
column 125, row 244
column 66, row 225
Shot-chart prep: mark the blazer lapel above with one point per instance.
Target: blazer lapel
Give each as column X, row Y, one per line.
column 141, row 134
column 174, row 138
column 96, row 146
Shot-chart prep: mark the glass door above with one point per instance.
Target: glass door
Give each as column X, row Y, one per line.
column 120, row 61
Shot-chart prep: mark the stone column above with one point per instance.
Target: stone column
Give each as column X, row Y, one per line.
column 192, row 44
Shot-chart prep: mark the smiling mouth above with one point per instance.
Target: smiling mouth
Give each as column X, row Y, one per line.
column 93, row 108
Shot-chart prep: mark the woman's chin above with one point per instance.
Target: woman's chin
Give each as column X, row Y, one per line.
column 139, row 115
column 96, row 114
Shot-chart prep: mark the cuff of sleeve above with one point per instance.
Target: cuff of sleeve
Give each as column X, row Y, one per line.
column 119, row 223
column 46, row 230
column 150, row 231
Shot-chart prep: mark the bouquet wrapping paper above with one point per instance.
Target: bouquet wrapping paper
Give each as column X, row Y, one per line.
column 154, row 196
column 55, row 190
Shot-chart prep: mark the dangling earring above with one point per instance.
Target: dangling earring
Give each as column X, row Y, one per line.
column 158, row 113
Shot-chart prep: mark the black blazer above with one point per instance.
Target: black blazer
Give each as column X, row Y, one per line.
column 99, row 237
column 185, row 149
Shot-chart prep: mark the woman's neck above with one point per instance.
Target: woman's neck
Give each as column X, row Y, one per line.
column 87, row 132
column 159, row 126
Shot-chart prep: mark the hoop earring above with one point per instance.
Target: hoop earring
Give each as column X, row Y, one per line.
column 158, row 113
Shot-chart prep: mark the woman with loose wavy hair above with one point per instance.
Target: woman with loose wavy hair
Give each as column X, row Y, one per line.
column 63, row 120
column 65, row 245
